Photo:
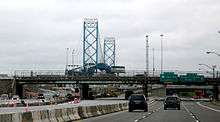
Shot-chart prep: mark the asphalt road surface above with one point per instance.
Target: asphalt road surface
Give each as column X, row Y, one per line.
column 190, row 112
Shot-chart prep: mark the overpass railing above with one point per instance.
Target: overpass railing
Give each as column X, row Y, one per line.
column 28, row 73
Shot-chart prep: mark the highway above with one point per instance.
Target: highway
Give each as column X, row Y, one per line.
column 190, row 112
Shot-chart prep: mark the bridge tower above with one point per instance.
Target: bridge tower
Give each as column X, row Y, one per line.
column 109, row 51
column 90, row 42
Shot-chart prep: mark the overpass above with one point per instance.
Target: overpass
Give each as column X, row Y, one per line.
column 85, row 81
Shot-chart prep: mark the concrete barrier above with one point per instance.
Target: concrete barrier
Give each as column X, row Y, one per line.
column 44, row 116
column 14, row 117
column 63, row 115
column 52, row 115
column 98, row 111
column 36, row 116
column 76, row 113
column 72, row 113
column 5, row 117
column 58, row 114
column 82, row 112
column 27, row 117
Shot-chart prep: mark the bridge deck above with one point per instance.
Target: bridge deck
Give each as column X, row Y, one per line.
column 97, row 80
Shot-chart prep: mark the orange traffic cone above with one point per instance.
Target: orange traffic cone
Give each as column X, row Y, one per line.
column 14, row 103
column 27, row 107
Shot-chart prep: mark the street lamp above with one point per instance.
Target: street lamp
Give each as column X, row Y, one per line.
column 209, row 52
column 73, row 52
column 145, row 86
column 201, row 69
column 153, row 62
column 212, row 68
column 147, row 56
column 161, row 53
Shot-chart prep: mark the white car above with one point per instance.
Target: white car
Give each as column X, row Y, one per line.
column 15, row 97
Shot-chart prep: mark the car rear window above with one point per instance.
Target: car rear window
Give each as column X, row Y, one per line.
column 137, row 97
column 171, row 98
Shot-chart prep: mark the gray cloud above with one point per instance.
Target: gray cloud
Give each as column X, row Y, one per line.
column 35, row 33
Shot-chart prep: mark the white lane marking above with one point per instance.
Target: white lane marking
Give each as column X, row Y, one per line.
column 190, row 113
column 207, row 107
column 145, row 116
column 136, row 120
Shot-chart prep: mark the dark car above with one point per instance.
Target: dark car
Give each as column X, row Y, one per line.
column 137, row 102
column 40, row 96
column 172, row 102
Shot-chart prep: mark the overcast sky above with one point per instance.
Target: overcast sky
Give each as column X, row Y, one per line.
column 35, row 33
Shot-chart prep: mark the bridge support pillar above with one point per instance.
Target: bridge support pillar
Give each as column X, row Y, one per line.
column 84, row 91
column 145, row 89
column 19, row 90
column 216, row 92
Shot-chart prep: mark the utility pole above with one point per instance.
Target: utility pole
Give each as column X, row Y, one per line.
column 161, row 68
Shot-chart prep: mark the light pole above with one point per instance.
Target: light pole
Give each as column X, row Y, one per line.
column 67, row 51
column 147, row 68
column 73, row 52
column 153, row 62
column 213, row 68
column 161, row 68
column 147, row 56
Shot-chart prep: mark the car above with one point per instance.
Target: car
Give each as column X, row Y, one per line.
column 40, row 96
column 137, row 102
column 15, row 97
column 172, row 102
column 4, row 97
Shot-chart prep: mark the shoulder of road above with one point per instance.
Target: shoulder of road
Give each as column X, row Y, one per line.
column 215, row 105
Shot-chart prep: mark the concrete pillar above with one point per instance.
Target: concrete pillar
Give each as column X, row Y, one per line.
column 84, row 89
column 19, row 90
column 216, row 92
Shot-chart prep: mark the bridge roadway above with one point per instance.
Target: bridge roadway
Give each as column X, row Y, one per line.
column 61, row 79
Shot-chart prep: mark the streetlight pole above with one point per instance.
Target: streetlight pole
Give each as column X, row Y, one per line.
column 153, row 62
column 67, row 51
column 147, row 56
column 161, row 53
column 73, row 51
column 147, row 68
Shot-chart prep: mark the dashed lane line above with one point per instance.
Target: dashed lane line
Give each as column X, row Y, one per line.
column 149, row 113
column 191, row 114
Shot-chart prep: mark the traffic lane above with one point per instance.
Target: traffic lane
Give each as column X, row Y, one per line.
column 201, row 113
column 125, row 116
column 170, row 115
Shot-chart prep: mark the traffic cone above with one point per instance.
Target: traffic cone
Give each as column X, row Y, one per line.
column 78, row 100
column 14, row 103
column 27, row 107
column 75, row 100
